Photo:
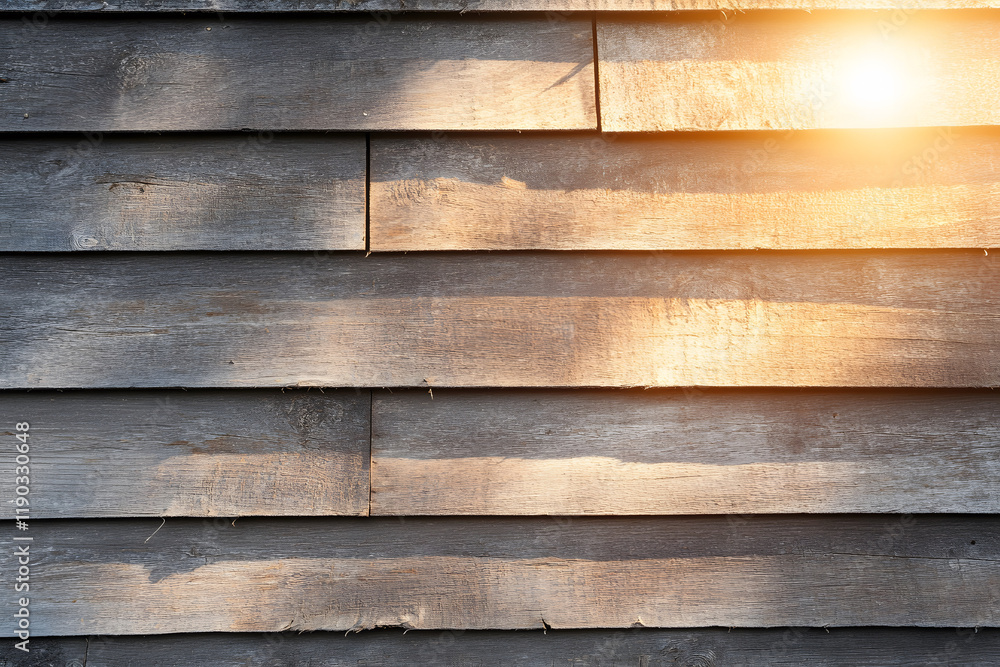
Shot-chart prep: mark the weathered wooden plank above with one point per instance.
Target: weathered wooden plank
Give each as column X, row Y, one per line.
column 254, row 192
column 387, row 8
column 922, row 319
column 197, row 453
column 44, row 651
column 684, row 452
column 265, row 575
column 297, row 73
column 861, row 189
column 732, row 647
column 763, row 71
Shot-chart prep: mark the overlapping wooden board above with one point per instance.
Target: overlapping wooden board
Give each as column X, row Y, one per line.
column 759, row 71
column 112, row 577
column 296, row 73
column 786, row 647
column 45, row 651
column 255, row 191
column 684, row 452
column 387, row 9
column 922, row 319
column 191, row 453
column 860, row 189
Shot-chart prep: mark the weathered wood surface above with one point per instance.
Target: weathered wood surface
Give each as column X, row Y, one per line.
column 709, row 647
column 259, row 191
column 44, row 651
column 197, row 453
column 263, row 575
column 761, row 71
column 921, row 319
column 387, row 8
column 297, row 73
column 861, row 189
column 684, row 452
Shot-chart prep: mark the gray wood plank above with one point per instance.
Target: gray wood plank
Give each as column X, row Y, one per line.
column 297, row 73
column 260, row 191
column 386, row 8
column 785, row 647
column 44, row 651
column 762, row 71
column 196, row 453
column 921, row 319
column 266, row 575
column 860, row 189
column 684, row 452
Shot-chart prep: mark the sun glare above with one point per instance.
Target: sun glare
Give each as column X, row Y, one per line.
column 873, row 85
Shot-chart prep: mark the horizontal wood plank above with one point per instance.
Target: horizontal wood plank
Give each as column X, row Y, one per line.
column 296, row 73
column 920, row 319
column 264, row 575
column 197, row 453
column 387, row 8
column 44, row 651
column 260, row 191
column 761, row 71
column 732, row 647
column 684, row 452
column 935, row 188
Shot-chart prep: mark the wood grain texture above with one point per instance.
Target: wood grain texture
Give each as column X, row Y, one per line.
column 260, row 191
column 296, row 73
column 385, row 9
column 762, row 71
column 45, row 651
column 197, row 453
column 709, row 647
column 263, row 575
column 684, row 452
column 860, row 189
column 921, row 319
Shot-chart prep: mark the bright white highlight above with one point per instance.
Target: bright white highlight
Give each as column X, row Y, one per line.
column 873, row 83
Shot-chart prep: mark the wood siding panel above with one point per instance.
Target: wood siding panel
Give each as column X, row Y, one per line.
column 296, row 73
column 935, row 188
column 264, row 575
column 191, row 453
column 731, row 647
column 260, row 191
column 764, row 71
column 921, row 319
column 684, row 452
column 46, row 651
column 387, row 8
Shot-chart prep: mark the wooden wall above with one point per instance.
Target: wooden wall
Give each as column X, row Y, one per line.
column 596, row 332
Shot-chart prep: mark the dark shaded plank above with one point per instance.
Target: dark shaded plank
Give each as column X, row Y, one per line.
column 263, row 575
column 836, row 647
column 43, row 651
column 684, row 452
column 289, row 73
column 863, row 189
column 254, row 192
column 520, row 319
column 761, row 71
column 197, row 453
column 387, row 8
